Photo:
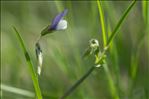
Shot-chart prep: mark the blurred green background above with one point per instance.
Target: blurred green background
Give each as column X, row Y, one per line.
column 128, row 58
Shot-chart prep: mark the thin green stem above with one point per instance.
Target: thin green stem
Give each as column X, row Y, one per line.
column 106, row 69
column 23, row 92
column 17, row 91
column 68, row 92
column 71, row 89
column 30, row 65
column 102, row 23
column 120, row 22
column 114, row 57
column 111, row 82
column 145, row 10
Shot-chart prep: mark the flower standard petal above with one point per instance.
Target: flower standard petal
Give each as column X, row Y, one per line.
column 56, row 21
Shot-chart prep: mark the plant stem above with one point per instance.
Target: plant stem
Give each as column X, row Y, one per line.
column 113, row 90
column 71, row 89
column 30, row 65
column 102, row 23
column 68, row 92
column 112, row 87
column 120, row 22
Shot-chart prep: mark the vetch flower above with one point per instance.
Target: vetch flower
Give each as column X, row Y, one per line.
column 93, row 43
column 93, row 48
column 39, row 58
column 58, row 23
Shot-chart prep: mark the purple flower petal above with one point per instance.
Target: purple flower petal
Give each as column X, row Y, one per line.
column 57, row 19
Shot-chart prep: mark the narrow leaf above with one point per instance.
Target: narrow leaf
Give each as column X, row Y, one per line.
column 102, row 23
column 120, row 22
column 30, row 65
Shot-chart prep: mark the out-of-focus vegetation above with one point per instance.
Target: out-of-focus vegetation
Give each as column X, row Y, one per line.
column 127, row 58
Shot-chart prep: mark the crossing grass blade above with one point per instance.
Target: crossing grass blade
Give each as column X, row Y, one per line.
column 22, row 92
column 30, row 65
column 73, row 87
column 106, row 68
column 120, row 22
column 18, row 91
column 102, row 22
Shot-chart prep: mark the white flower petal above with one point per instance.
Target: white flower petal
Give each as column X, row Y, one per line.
column 94, row 43
column 62, row 25
column 39, row 70
column 98, row 65
column 40, row 59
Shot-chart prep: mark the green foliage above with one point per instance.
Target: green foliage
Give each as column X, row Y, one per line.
column 124, row 69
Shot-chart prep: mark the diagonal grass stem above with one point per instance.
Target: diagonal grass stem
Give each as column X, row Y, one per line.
column 30, row 65
column 120, row 22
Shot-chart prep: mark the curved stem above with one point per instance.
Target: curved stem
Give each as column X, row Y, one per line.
column 70, row 90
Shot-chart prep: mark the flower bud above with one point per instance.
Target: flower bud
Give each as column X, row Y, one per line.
column 39, row 56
